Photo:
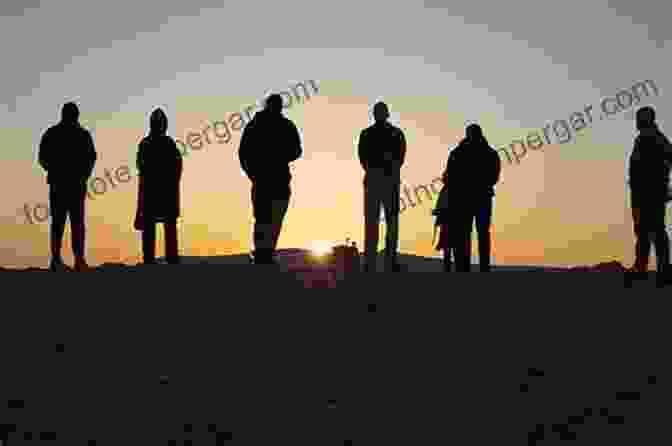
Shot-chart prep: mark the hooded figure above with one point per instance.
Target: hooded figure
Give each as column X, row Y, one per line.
column 159, row 166
column 447, row 217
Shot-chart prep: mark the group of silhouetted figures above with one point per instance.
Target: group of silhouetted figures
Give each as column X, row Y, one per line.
column 270, row 141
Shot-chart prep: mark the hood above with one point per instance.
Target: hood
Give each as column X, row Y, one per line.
column 158, row 122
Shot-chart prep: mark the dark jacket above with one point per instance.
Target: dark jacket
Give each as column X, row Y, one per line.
column 67, row 153
column 269, row 143
column 649, row 166
column 472, row 171
column 159, row 165
column 382, row 146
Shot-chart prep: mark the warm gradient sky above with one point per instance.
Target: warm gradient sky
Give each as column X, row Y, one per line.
column 512, row 66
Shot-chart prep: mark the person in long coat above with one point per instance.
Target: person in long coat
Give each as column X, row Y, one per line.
column 159, row 165
column 449, row 241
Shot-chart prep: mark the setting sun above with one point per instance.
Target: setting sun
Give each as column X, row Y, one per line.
column 321, row 248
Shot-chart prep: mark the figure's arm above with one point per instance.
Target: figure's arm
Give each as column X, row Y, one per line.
column 295, row 144
column 44, row 155
column 91, row 156
column 179, row 164
column 450, row 168
column 632, row 166
column 363, row 151
column 244, row 149
column 667, row 151
column 140, row 160
column 497, row 167
column 402, row 148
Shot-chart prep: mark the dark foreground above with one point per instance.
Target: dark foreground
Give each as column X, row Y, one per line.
column 208, row 353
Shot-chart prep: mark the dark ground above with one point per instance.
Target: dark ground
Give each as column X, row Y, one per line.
column 383, row 359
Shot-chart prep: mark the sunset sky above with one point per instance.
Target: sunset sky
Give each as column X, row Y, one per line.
column 514, row 67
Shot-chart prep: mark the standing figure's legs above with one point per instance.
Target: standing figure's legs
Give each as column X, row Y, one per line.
column 149, row 241
column 462, row 238
column 372, row 204
column 661, row 239
column 262, row 205
column 58, row 207
column 390, row 201
column 643, row 240
column 448, row 257
column 172, row 253
column 279, row 208
column 78, row 226
column 483, row 223
column 445, row 245
column 662, row 243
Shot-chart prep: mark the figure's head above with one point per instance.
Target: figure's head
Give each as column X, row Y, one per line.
column 474, row 132
column 380, row 112
column 158, row 122
column 646, row 118
column 70, row 112
column 274, row 103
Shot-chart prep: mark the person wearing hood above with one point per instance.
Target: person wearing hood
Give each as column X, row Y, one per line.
column 68, row 155
column 473, row 170
column 268, row 144
column 649, row 171
column 159, row 164
column 445, row 217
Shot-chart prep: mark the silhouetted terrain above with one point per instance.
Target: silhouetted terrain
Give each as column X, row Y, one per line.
column 285, row 257
column 385, row 359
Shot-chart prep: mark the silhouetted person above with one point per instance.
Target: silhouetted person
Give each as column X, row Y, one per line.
column 381, row 150
column 68, row 155
column 445, row 219
column 159, row 165
column 649, row 171
column 269, row 143
column 472, row 172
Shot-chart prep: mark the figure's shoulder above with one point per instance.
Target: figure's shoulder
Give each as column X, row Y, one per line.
column 289, row 123
column 58, row 129
column 636, row 150
column 73, row 131
column 394, row 130
column 145, row 142
column 86, row 132
column 50, row 131
column 662, row 139
column 252, row 122
column 166, row 140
